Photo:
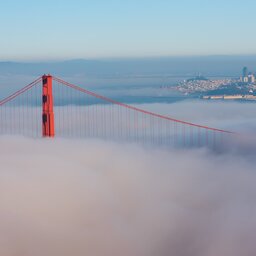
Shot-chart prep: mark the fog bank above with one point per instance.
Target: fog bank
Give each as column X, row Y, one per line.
column 96, row 198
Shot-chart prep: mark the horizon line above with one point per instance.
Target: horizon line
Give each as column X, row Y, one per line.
column 122, row 58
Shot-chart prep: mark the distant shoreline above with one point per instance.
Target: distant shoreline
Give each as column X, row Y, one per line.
column 229, row 97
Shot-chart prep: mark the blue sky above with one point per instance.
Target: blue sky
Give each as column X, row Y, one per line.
column 42, row 30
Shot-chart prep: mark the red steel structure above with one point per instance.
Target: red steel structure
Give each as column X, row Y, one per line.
column 47, row 107
column 76, row 112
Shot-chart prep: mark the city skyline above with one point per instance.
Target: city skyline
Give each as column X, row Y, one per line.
column 60, row 30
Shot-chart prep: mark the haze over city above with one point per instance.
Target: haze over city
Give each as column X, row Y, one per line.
column 127, row 128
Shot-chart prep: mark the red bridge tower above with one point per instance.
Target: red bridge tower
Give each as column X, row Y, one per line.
column 47, row 103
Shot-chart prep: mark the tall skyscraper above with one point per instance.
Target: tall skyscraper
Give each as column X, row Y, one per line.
column 245, row 72
column 245, row 75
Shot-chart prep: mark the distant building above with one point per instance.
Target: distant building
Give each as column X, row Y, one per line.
column 251, row 78
column 245, row 72
column 247, row 77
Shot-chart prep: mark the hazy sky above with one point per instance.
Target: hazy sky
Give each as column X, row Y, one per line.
column 64, row 29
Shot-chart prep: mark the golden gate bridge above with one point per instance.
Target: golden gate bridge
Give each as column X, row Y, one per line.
column 52, row 107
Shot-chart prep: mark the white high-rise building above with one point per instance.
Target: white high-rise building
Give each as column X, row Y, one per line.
column 251, row 78
column 245, row 79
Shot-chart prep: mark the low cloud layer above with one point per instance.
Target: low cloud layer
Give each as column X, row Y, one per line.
column 237, row 116
column 95, row 198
